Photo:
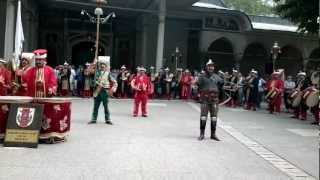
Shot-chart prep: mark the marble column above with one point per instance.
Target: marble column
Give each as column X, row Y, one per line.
column 9, row 29
column 161, row 30
column 144, row 42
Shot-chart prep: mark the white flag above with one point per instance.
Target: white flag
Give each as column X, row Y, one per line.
column 19, row 37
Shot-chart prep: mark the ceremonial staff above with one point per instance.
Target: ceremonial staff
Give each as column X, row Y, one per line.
column 98, row 20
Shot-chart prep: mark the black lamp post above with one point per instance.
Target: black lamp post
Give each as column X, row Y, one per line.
column 275, row 51
column 98, row 20
column 176, row 57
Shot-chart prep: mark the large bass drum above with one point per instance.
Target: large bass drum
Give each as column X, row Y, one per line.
column 310, row 97
column 56, row 119
column 295, row 98
column 271, row 95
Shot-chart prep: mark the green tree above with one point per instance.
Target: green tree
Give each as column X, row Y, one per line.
column 252, row 7
column 304, row 13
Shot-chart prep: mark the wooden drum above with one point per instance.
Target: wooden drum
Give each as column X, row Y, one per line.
column 56, row 118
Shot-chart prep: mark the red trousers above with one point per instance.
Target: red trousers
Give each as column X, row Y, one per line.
column 64, row 92
column 140, row 98
column 86, row 93
column 251, row 105
column 275, row 105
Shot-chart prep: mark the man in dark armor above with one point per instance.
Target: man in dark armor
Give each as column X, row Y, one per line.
column 302, row 84
column 208, row 84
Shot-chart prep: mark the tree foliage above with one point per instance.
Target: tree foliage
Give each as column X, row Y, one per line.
column 251, row 7
column 304, row 13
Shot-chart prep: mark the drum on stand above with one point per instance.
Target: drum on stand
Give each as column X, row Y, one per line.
column 295, row 98
column 5, row 102
column 271, row 95
column 311, row 97
column 56, row 119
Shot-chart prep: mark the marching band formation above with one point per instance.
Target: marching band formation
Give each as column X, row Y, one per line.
column 34, row 78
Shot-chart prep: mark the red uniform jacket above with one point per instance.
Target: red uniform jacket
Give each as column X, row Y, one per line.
column 275, row 83
column 186, row 82
column 5, row 80
column 142, row 84
column 49, row 81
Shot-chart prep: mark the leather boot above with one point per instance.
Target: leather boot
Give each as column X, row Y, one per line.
column 213, row 131
column 202, row 129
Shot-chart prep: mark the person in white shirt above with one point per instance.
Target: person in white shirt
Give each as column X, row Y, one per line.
column 289, row 85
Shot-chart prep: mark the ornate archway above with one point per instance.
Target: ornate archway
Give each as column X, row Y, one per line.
column 82, row 46
column 221, row 51
column 290, row 59
column 314, row 60
column 255, row 56
column 83, row 52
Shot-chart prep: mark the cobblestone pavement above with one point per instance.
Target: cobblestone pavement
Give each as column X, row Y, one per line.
column 164, row 146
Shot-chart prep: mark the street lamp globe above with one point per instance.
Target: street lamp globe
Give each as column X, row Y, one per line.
column 98, row 11
column 275, row 50
column 177, row 50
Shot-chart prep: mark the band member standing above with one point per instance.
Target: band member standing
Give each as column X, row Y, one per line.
column 141, row 85
column 5, row 78
column 19, row 87
column 123, row 81
column 275, row 87
column 176, row 84
column 87, row 81
column 234, row 80
column 302, row 84
column 167, row 80
column 41, row 81
column 105, row 87
column 186, row 82
column 252, row 90
column 65, row 80
column 153, row 76
column 208, row 84
column 289, row 85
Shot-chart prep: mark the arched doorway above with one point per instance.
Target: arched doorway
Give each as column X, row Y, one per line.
column 290, row 60
column 83, row 52
column 255, row 57
column 314, row 60
column 221, row 52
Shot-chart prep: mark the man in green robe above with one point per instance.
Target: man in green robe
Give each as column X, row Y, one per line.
column 105, row 86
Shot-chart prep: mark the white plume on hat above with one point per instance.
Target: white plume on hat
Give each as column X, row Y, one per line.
column 152, row 67
column 27, row 56
column 210, row 62
column 142, row 69
column 254, row 71
column 123, row 67
column 167, row 69
column 3, row 60
column 301, row 73
column 66, row 63
column 104, row 60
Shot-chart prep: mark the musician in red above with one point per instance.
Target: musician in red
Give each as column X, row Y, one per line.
column 275, row 85
column 5, row 78
column 19, row 87
column 65, row 80
column 186, row 82
column 141, row 84
column 41, row 81
column 123, row 82
column 302, row 84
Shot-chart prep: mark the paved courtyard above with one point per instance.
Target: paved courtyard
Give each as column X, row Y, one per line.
column 164, row 146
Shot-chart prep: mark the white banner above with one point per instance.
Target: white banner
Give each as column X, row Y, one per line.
column 19, row 36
